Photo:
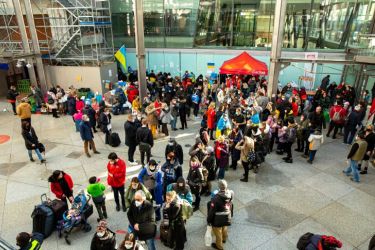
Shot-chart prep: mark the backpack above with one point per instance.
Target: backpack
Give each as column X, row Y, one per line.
column 336, row 116
column 251, row 157
column 50, row 100
column 304, row 241
column 186, row 209
column 195, row 98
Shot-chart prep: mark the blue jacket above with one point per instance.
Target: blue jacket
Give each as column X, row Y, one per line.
column 184, row 196
column 85, row 131
column 35, row 242
column 158, row 193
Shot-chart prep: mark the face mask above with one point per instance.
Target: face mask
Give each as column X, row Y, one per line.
column 129, row 246
column 139, row 117
column 107, row 113
column 181, row 185
column 170, row 143
column 238, row 113
column 152, row 169
column 138, row 203
column 134, row 186
column 100, row 234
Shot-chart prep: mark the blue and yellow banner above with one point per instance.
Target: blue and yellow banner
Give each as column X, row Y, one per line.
column 121, row 57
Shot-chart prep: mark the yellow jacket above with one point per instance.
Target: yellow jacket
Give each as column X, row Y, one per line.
column 24, row 110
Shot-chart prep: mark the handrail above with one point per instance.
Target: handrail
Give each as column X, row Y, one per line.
column 5, row 245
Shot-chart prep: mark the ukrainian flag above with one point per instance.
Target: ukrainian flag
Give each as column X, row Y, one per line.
column 121, row 57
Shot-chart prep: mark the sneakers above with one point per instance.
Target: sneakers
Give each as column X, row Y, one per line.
column 244, row 180
column 289, row 160
column 124, row 208
column 42, row 161
column 96, row 152
column 309, row 161
column 352, row 179
column 363, row 172
column 133, row 163
column 32, row 160
column 118, row 208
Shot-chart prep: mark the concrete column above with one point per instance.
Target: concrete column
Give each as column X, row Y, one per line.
column 35, row 44
column 25, row 39
column 277, row 41
column 140, row 48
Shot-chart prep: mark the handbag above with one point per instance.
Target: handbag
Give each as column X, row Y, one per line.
column 208, row 236
column 41, row 147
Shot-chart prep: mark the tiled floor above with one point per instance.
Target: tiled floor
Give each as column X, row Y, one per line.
column 272, row 210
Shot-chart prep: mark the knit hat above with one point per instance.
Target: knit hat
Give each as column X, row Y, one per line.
column 222, row 184
column 346, row 103
column 103, row 224
column 330, row 241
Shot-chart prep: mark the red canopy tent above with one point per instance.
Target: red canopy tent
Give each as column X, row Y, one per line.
column 244, row 64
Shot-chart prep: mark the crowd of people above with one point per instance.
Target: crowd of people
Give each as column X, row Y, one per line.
column 239, row 125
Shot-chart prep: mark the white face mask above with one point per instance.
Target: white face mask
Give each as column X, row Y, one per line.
column 170, row 143
column 138, row 203
column 129, row 246
column 100, row 234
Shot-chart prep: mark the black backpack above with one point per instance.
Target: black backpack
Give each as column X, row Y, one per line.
column 304, row 241
column 114, row 140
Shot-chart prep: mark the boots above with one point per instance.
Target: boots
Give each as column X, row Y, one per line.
column 364, row 171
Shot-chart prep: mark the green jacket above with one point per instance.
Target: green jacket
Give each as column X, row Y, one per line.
column 303, row 129
column 130, row 192
column 96, row 189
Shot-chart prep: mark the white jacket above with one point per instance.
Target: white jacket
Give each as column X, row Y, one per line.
column 315, row 141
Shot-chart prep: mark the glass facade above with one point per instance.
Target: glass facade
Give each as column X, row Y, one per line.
column 309, row 24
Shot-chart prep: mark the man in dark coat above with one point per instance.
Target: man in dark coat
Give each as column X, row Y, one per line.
column 370, row 139
column 87, row 135
column 90, row 112
column 141, row 218
column 317, row 120
column 11, row 97
column 176, row 148
column 145, row 140
column 325, row 82
column 71, row 103
column 131, row 138
column 104, row 238
column 350, row 128
column 31, row 141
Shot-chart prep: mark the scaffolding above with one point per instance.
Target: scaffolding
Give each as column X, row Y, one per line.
column 81, row 32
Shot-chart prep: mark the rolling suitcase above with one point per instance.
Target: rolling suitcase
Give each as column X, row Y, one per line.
column 43, row 220
column 165, row 235
column 58, row 206
column 114, row 140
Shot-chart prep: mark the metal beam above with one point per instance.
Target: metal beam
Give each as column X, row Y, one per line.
column 35, row 44
column 277, row 42
column 140, row 48
column 330, row 61
column 25, row 39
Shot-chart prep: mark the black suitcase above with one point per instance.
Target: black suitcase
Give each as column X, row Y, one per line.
column 165, row 235
column 43, row 220
column 114, row 140
column 58, row 206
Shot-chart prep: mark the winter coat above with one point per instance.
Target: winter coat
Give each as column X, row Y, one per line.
column 107, row 244
column 211, row 118
column 57, row 189
column 177, row 150
column 317, row 120
column 303, row 130
column 145, row 218
column 30, row 138
column 132, row 93
column 183, row 195
column 195, row 179
column 54, row 98
column 222, row 155
column 116, row 173
column 105, row 120
column 244, row 152
column 209, row 162
column 353, row 120
column 235, row 153
column 130, row 192
column 171, row 172
column 219, row 213
column 85, row 131
column 174, row 214
column 144, row 135
column 341, row 111
column 158, row 190
column 12, row 95
column 79, row 105
column 130, row 133
column 71, row 105
column 91, row 113
column 315, row 141
column 291, row 133
column 24, row 110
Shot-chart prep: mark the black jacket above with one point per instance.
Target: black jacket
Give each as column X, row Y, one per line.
column 12, row 94
column 370, row 139
column 144, row 135
column 107, row 244
column 210, row 164
column 104, row 122
column 354, row 119
column 90, row 112
column 130, row 133
column 220, row 209
column 145, row 218
column 30, row 138
column 178, row 152
column 71, row 102
column 317, row 120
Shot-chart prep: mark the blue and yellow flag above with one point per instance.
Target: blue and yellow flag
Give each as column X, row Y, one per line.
column 121, row 57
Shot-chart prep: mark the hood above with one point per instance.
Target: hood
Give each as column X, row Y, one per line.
column 52, row 179
column 227, row 194
column 318, row 136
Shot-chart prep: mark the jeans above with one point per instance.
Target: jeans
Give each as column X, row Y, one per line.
column 349, row 135
column 77, row 122
column 151, row 244
column 312, row 154
column 174, row 123
column 131, row 151
column 221, row 173
column 37, row 153
column 102, row 210
column 353, row 168
column 116, row 191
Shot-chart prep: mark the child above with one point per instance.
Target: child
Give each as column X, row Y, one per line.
column 281, row 134
column 315, row 141
column 77, row 117
column 96, row 190
column 222, row 156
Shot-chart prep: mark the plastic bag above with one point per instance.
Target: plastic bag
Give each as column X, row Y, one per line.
column 208, row 236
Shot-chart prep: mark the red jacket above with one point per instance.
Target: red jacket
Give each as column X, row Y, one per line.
column 80, row 105
column 295, row 109
column 342, row 112
column 56, row 188
column 211, row 118
column 132, row 93
column 116, row 173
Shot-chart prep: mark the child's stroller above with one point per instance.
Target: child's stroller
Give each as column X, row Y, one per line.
column 76, row 216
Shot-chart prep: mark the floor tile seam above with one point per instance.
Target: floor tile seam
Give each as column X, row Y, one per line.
column 328, row 227
column 5, row 192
